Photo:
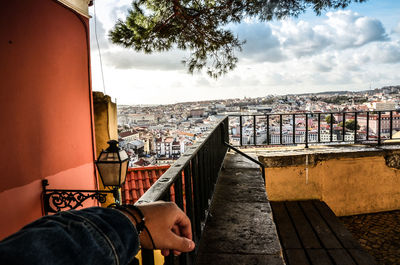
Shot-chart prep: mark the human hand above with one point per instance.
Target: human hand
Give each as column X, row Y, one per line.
column 169, row 227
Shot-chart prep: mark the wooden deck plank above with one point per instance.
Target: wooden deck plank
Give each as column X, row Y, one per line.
column 341, row 257
column 286, row 230
column 319, row 257
column 303, row 227
column 344, row 236
column 296, row 257
column 323, row 232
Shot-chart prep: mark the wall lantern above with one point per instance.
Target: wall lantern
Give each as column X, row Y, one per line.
column 112, row 165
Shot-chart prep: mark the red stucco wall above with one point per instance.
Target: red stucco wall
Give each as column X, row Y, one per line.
column 45, row 107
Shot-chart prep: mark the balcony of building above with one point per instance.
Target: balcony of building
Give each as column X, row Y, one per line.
column 291, row 202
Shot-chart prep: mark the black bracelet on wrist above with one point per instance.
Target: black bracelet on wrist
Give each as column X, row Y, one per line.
column 140, row 226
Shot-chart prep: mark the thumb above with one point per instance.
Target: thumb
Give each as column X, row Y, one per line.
column 181, row 244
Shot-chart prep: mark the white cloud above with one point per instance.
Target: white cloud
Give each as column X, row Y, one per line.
column 396, row 30
column 261, row 44
column 129, row 59
column 343, row 50
column 341, row 30
column 347, row 29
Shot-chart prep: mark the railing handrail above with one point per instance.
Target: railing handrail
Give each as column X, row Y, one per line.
column 161, row 186
column 356, row 116
column 310, row 112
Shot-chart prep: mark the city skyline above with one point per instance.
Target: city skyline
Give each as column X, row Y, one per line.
column 349, row 49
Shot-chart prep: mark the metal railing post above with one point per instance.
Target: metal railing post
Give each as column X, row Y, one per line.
column 294, row 128
column 306, row 130
column 367, row 138
column 319, row 127
column 241, row 129
column 379, row 127
column 331, row 128
column 355, row 125
column 267, row 129
column 391, row 125
column 280, row 128
column 254, row 130
column 343, row 126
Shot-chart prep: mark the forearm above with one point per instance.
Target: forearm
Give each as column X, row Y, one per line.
column 90, row 236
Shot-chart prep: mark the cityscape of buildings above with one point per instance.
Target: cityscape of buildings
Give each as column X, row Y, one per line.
column 157, row 135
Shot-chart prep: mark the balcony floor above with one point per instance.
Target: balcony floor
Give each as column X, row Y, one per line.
column 310, row 233
column 239, row 228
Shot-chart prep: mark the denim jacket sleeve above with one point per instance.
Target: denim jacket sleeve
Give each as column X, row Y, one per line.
column 98, row 236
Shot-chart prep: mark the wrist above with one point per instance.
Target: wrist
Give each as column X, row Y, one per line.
column 137, row 218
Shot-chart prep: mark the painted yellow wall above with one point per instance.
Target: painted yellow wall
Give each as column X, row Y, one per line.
column 106, row 127
column 158, row 258
column 348, row 185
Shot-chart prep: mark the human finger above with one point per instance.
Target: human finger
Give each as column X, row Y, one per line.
column 185, row 228
column 175, row 229
column 179, row 243
column 165, row 252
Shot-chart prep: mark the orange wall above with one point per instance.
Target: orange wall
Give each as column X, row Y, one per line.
column 45, row 107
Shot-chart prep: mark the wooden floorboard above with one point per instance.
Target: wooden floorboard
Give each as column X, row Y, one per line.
column 311, row 234
column 319, row 257
column 286, row 230
column 322, row 230
column 303, row 227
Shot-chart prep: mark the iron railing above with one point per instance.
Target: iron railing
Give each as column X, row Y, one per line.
column 314, row 128
column 192, row 178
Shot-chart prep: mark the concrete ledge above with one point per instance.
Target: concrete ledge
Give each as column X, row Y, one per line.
column 294, row 157
column 239, row 228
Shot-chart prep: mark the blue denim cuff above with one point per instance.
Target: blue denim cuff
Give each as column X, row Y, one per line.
column 92, row 236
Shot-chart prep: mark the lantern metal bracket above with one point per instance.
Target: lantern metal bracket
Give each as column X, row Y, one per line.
column 55, row 200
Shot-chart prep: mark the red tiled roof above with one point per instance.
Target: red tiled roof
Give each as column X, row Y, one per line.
column 127, row 133
column 139, row 180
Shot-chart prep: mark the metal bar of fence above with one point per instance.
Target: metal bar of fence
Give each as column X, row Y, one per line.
column 306, row 130
column 201, row 184
column 343, row 126
column 179, row 201
column 254, row 130
column 367, row 138
column 280, row 128
column 169, row 260
column 379, row 127
column 248, row 157
column 147, row 256
column 331, row 128
column 267, row 129
column 188, row 197
column 294, row 128
column 241, row 130
column 319, row 127
column 355, row 127
column 197, row 198
column 391, row 125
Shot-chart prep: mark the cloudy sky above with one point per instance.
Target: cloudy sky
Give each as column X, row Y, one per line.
column 349, row 49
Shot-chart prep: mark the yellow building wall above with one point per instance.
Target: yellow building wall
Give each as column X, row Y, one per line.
column 348, row 185
column 106, row 127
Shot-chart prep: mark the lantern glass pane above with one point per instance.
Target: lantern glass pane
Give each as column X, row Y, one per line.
column 124, row 168
column 109, row 157
column 109, row 173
